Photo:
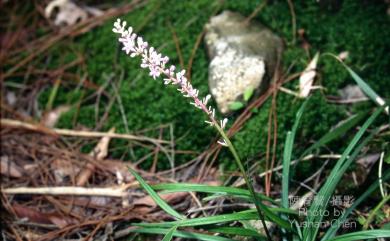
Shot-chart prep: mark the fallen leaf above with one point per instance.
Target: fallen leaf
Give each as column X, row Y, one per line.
column 69, row 13
column 343, row 55
column 307, row 77
column 51, row 118
column 30, row 214
column 360, row 173
column 116, row 166
column 9, row 168
column 368, row 161
column 89, row 202
column 101, row 149
column 29, row 235
column 11, row 98
column 99, row 152
column 85, row 174
column 248, row 93
column 30, row 168
column 62, row 169
column 236, row 105
column 351, row 94
column 43, row 218
column 168, row 197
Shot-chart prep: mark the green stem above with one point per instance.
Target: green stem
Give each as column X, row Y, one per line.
column 246, row 178
column 373, row 212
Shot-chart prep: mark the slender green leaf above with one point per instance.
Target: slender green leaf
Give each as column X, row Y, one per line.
column 230, row 190
column 299, row 230
column 159, row 201
column 238, row 231
column 288, row 146
column 288, row 153
column 193, row 187
column 374, row 212
column 262, row 209
column 370, row 234
column 219, row 195
column 333, row 228
column 236, row 105
column 310, row 232
column 329, row 187
column 244, row 215
column 336, row 132
column 367, row 89
column 169, row 235
column 248, row 93
column 182, row 234
column 364, row 86
column 53, row 94
column 274, row 218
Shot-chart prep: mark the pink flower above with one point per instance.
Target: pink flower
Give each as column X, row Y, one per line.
column 156, row 62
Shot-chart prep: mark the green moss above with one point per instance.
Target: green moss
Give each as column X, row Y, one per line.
column 357, row 27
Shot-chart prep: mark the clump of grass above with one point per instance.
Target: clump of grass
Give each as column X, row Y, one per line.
column 279, row 214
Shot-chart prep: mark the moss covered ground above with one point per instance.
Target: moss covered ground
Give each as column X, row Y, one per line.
column 359, row 27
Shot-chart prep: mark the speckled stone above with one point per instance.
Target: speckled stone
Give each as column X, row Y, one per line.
column 242, row 56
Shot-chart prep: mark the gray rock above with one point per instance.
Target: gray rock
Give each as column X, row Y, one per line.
column 242, row 56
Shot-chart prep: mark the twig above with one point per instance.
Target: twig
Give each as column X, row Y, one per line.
column 171, row 132
column 177, row 45
column 287, row 91
column 116, row 191
column 156, row 152
column 272, row 116
column 119, row 100
column 293, row 20
column 255, row 12
column 195, row 48
column 67, row 132
column 193, row 52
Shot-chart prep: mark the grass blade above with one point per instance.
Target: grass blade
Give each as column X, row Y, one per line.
column 367, row 89
column 336, row 132
column 223, row 218
column 364, row 86
column 374, row 212
column 169, row 235
column 327, row 189
column 288, row 153
column 193, row 187
column 333, row 228
column 370, row 234
column 182, row 234
column 244, row 215
column 159, row 201
column 238, row 231
column 286, row 168
column 236, row 191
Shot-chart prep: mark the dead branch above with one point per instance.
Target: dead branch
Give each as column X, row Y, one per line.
column 116, row 191
column 67, row 132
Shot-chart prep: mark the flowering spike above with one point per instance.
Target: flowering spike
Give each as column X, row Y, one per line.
column 134, row 46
